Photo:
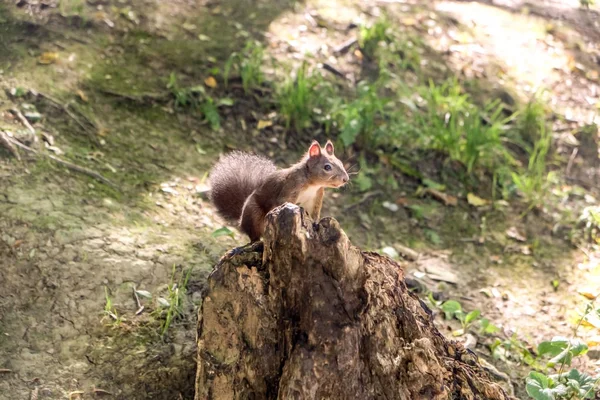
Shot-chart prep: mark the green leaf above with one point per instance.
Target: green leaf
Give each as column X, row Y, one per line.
column 163, row 302
column 363, row 181
column 200, row 150
column 198, row 89
column 224, row 231
column 211, row 114
column 451, row 308
column 432, row 236
column 144, row 293
column 541, row 387
column 472, row 316
column 553, row 347
column 350, row 131
column 434, row 185
column 487, row 326
column 582, row 383
column 226, row 101
column 562, row 350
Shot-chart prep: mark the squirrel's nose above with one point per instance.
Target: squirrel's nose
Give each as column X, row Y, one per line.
column 345, row 179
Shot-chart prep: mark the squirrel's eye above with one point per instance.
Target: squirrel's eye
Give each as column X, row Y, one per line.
column 327, row 167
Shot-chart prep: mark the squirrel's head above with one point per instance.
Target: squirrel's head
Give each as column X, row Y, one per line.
column 324, row 167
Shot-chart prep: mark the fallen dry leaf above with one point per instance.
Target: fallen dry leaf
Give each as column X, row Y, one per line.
column 210, row 82
column 476, row 201
column 409, row 21
column 589, row 293
column 82, row 96
column 513, row 233
column 447, row 199
column 594, row 341
column 263, row 124
column 358, row 54
column 48, row 58
column 402, row 201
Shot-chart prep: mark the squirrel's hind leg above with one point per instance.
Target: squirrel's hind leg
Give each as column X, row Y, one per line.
column 253, row 219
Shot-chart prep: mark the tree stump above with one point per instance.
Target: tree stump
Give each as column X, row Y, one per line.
column 309, row 316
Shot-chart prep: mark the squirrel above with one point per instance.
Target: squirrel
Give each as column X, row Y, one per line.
column 245, row 186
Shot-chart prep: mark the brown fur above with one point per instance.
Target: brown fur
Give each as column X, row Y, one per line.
column 249, row 186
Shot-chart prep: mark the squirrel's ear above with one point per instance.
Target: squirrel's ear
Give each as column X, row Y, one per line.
column 314, row 150
column 329, row 147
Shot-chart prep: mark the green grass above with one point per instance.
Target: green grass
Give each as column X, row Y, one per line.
column 360, row 119
column 70, row 8
column 371, row 37
column 300, row 96
column 110, row 311
column 198, row 97
column 247, row 65
column 171, row 307
column 468, row 134
column 534, row 180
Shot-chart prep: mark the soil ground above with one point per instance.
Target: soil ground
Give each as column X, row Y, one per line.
column 96, row 72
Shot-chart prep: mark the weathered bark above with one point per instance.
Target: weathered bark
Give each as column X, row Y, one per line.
column 313, row 317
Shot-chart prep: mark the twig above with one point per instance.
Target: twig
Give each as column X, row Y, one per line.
column 34, row 393
column 139, row 303
column 101, row 391
column 344, row 47
column 365, row 197
column 8, row 145
column 571, row 160
column 142, row 98
column 5, row 370
column 75, row 393
column 333, row 70
column 23, row 120
column 70, row 113
column 71, row 166
column 407, row 252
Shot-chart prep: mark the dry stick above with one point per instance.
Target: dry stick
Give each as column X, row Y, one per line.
column 34, row 394
column 334, row 70
column 571, row 160
column 8, row 145
column 101, row 392
column 407, row 252
column 344, row 47
column 74, row 117
column 139, row 303
column 23, row 119
column 71, row 166
column 365, row 197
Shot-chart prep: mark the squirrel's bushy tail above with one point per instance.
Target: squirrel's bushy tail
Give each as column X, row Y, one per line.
column 234, row 178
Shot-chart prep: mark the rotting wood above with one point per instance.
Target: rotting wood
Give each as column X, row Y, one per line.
column 309, row 316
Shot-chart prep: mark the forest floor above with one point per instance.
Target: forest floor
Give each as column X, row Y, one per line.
column 107, row 85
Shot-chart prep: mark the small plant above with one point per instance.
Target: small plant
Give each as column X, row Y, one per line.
column 196, row 96
column 171, row 307
column 247, row 64
column 71, row 8
column 454, row 125
column 370, row 36
column 182, row 96
column 453, row 309
column 534, row 182
column 590, row 223
column 561, row 385
column 512, row 349
column 110, row 311
column 299, row 97
column 360, row 119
